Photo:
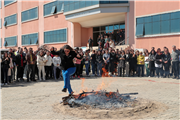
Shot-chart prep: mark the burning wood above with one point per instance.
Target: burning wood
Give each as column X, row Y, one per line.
column 100, row 99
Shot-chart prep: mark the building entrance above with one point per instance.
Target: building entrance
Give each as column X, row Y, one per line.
column 108, row 29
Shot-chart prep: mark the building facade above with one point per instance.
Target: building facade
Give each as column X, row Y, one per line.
column 56, row 23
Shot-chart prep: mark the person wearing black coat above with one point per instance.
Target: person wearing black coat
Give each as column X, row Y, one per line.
column 67, row 54
column 159, row 63
column 99, row 59
column 166, row 62
column 112, row 61
column 133, row 62
column 151, row 63
column 127, row 63
column 20, row 63
column 5, row 62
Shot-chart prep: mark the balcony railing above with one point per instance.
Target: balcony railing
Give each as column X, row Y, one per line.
column 85, row 3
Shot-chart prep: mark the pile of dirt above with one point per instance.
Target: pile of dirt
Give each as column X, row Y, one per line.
column 140, row 109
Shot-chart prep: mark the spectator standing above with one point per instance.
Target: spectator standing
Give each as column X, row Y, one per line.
column 14, row 63
column 159, row 63
column 147, row 64
column 56, row 62
column 90, row 41
column 106, row 46
column 112, row 44
column 140, row 64
column 99, row 59
column 5, row 62
column 48, row 64
column 152, row 63
column 133, row 62
column 87, row 62
column 175, row 61
column 40, row 64
column 20, row 63
column 106, row 58
column 121, row 65
column 127, row 66
column 112, row 62
column 166, row 62
column 31, row 60
column 10, row 70
column 93, row 62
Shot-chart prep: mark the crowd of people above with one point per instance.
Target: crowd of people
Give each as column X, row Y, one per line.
column 107, row 40
column 17, row 65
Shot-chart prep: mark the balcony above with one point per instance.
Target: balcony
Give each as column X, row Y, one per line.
column 78, row 4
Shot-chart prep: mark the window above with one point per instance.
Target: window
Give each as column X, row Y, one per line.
column 0, row 23
column 0, row 3
column 139, row 30
column 10, row 41
column 30, row 14
column 159, row 24
column 10, row 20
column 7, row 2
column 30, row 39
column 55, row 36
column 0, row 42
column 53, row 7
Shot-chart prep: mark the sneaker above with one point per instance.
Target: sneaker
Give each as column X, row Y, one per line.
column 92, row 75
column 74, row 76
column 87, row 75
column 64, row 89
column 6, row 84
column 44, row 79
column 113, row 75
column 1, row 84
column 40, row 80
column 79, row 77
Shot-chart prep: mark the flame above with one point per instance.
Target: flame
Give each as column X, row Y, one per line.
column 82, row 86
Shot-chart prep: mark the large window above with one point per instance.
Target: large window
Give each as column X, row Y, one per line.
column 30, row 39
column 10, row 41
column 0, row 42
column 10, row 20
column 0, row 3
column 30, row 14
column 53, row 7
column 7, row 2
column 158, row 24
column 55, row 36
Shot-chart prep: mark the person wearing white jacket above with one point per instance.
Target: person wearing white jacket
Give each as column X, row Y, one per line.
column 40, row 64
column 56, row 62
column 48, row 64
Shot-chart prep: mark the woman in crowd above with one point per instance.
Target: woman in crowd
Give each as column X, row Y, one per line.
column 5, row 62
column 106, row 46
column 99, row 59
column 127, row 63
column 10, row 70
column 48, row 64
column 112, row 44
column 147, row 64
column 106, row 58
column 56, row 62
column 40, row 64
column 93, row 62
column 159, row 63
column 112, row 62
column 133, row 62
column 87, row 62
column 77, row 63
column 67, row 55
column 151, row 63
column 140, row 64
column 121, row 65
column 167, row 62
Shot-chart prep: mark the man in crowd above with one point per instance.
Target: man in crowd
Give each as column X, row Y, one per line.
column 13, row 60
column 20, row 63
column 31, row 60
column 90, row 41
column 175, row 61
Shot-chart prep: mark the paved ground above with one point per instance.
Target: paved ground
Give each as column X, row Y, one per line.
column 34, row 100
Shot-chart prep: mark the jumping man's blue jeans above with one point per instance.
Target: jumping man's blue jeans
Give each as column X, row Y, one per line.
column 66, row 76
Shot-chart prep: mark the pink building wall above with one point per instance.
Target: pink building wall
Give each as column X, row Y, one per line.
column 85, row 34
column 152, row 7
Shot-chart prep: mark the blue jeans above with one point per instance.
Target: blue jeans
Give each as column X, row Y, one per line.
column 175, row 67
column 99, row 68
column 87, row 68
column 66, row 75
column 159, row 71
column 142, row 68
column 93, row 68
